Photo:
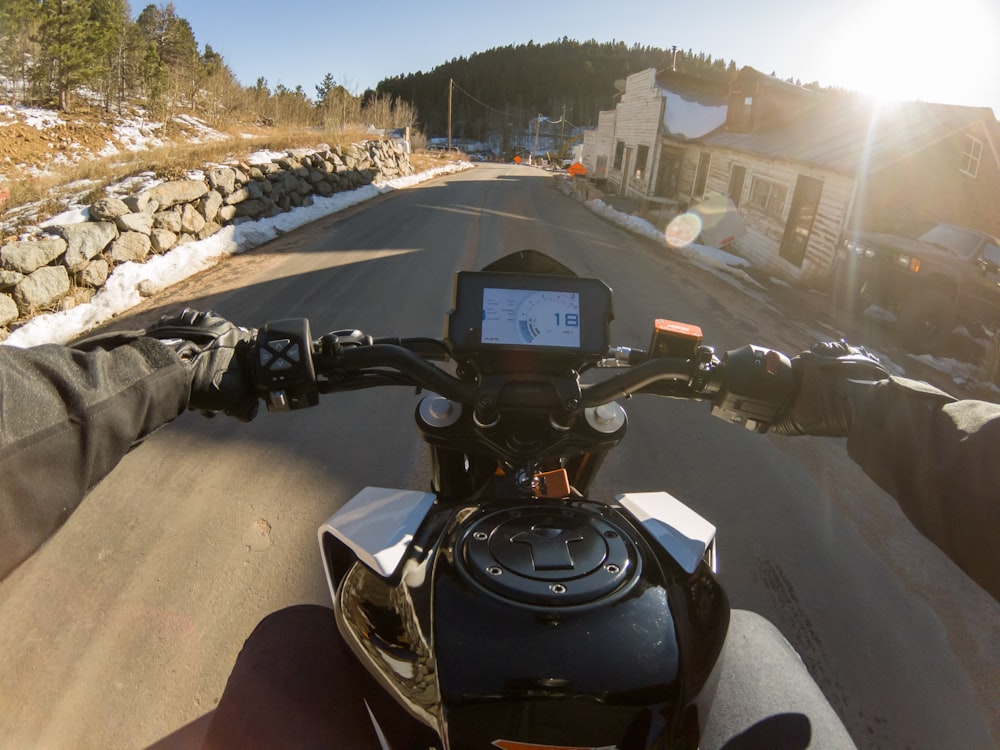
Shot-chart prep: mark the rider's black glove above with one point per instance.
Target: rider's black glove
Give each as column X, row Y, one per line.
column 217, row 354
column 830, row 381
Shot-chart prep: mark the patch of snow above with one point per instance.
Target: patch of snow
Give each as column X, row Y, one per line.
column 134, row 184
column 205, row 131
column 264, row 157
column 138, row 134
column 73, row 216
column 40, row 119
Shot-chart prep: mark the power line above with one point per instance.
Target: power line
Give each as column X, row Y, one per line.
column 504, row 112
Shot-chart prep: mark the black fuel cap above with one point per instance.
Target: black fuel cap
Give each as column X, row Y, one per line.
column 550, row 556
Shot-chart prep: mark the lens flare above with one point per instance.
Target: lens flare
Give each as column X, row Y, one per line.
column 683, row 229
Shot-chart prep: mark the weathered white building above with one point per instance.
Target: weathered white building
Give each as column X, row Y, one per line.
column 801, row 167
column 637, row 147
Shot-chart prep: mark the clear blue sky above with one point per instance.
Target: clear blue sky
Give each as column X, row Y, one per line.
column 936, row 50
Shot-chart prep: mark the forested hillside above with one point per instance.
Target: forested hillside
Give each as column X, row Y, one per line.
column 515, row 83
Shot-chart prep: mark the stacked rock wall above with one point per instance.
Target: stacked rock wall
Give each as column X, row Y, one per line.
column 69, row 263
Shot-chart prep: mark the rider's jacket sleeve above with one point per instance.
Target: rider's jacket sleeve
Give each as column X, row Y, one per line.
column 67, row 417
column 940, row 459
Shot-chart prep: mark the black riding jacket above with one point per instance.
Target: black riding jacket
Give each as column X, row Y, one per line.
column 67, row 417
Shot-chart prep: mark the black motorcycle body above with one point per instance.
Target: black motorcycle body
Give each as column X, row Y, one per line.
column 506, row 607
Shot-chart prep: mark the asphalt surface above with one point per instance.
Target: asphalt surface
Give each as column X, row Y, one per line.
column 122, row 629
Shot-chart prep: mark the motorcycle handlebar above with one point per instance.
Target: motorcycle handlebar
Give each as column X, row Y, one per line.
column 748, row 386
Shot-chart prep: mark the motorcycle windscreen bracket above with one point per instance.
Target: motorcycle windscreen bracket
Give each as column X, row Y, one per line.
column 378, row 525
column 684, row 534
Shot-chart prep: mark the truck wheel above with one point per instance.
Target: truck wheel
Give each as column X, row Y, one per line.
column 847, row 295
column 927, row 320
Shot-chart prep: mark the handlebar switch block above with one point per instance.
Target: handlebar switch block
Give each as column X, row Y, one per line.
column 286, row 377
column 757, row 387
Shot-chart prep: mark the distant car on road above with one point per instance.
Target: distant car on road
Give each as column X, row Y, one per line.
column 947, row 274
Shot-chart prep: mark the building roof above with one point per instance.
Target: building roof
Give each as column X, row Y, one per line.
column 844, row 132
column 695, row 106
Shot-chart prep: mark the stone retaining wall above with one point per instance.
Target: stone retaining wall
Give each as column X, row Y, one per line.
column 68, row 264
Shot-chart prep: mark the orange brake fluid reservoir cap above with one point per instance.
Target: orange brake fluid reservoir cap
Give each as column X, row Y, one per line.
column 674, row 339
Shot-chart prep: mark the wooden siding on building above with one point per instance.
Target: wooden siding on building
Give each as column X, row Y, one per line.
column 637, row 123
column 765, row 232
column 598, row 146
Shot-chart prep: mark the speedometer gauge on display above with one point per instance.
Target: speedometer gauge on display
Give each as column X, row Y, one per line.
column 536, row 318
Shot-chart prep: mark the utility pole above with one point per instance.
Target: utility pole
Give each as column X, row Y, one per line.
column 562, row 127
column 451, row 85
column 534, row 151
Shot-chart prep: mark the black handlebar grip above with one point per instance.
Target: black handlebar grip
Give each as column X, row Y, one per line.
column 757, row 387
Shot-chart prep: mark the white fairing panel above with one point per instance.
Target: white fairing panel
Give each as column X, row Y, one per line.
column 679, row 530
column 378, row 525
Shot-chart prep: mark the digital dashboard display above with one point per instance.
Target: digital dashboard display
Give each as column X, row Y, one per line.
column 519, row 317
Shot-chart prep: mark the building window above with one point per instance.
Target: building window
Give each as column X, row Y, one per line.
column 971, row 156
column 641, row 157
column 740, row 113
column 737, row 177
column 767, row 196
column 619, row 152
column 701, row 176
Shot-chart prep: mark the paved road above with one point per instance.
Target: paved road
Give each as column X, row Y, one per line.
column 123, row 629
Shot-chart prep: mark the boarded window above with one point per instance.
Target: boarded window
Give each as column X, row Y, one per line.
column 641, row 157
column 736, row 179
column 740, row 113
column 701, row 176
column 805, row 204
column 972, row 155
column 619, row 152
column 601, row 170
column 669, row 173
column 768, row 196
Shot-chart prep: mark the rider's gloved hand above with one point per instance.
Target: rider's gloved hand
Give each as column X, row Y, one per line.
column 217, row 353
column 830, row 380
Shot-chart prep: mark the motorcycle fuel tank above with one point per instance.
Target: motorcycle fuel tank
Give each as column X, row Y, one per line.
column 558, row 623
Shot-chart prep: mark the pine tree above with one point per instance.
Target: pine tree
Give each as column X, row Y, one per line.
column 109, row 36
column 64, row 36
column 18, row 23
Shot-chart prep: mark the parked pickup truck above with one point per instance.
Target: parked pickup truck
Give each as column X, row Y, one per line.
column 947, row 274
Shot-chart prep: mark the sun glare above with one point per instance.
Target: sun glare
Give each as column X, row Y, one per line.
column 919, row 49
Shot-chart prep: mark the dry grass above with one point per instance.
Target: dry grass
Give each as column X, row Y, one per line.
column 84, row 181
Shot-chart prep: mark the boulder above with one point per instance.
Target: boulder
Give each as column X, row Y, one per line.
column 210, row 205
column 9, row 279
column 238, row 196
column 252, row 208
column 85, row 241
column 96, row 273
column 170, row 220
column 142, row 223
column 169, row 194
column 8, row 310
column 42, row 288
column 162, row 240
column 227, row 213
column 191, row 220
column 143, row 205
column 222, row 180
column 108, row 209
column 25, row 257
column 131, row 246
column 208, row 230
